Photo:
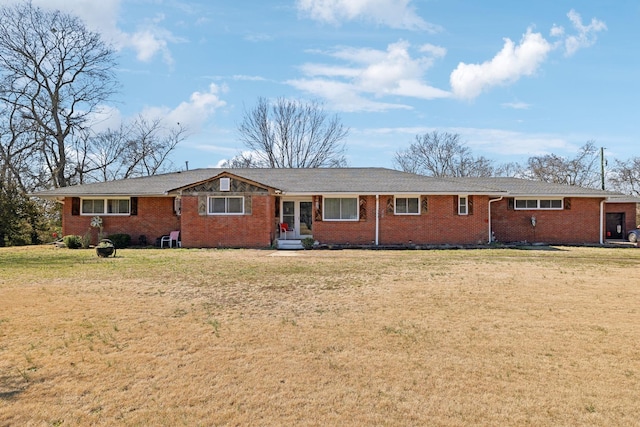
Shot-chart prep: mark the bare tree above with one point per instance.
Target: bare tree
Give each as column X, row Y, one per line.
column 140, row 148
column 625, row 176
column 442, row 155
column 582, row 170
column 53, row 75
column 291, row 134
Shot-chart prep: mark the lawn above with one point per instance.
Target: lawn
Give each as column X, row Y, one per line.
column 544, row 337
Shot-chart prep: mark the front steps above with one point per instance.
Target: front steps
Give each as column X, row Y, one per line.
column 293, row 244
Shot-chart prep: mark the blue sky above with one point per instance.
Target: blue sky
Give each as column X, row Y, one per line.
column 514, row 78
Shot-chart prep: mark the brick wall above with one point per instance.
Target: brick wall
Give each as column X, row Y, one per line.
column 579, row 224
column 155, row 218
column 440, row 224
column 255, row 230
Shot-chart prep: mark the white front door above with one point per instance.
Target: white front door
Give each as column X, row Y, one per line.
column 298, row 214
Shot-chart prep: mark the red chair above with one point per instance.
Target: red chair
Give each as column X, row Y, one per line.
column 284, row 228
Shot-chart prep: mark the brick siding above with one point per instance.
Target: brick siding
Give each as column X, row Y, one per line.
column 255, row 230
column 440, row 224
column 155, row 218
column 579, row 224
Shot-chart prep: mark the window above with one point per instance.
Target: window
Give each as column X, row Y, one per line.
column 538, row 203
column 117, row 206
column 106, row 206
column 226, row 205
column 341, row 209
column 407, row 206
column 463, row 205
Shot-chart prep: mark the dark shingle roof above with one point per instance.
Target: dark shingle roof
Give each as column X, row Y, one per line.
column 327, row 181
column 525, row 187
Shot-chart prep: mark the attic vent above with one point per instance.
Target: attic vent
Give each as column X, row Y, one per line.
column 225, row 184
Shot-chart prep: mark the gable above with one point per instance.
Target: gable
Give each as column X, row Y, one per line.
column 235, row 185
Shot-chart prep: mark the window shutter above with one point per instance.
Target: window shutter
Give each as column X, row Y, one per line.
column 456, row 203
column 567, row 203
column 134, row 206
column 75, row 206
column 390, row 205
column 362, row 202
column 318, row 203
column 202, row 205
column 510, row 203
column 425, row 204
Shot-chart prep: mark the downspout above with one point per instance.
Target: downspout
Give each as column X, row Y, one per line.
column 490, row 231
column 377, row 218
column 602, row 221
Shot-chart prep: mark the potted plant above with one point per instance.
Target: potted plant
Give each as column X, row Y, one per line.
column 105, row 248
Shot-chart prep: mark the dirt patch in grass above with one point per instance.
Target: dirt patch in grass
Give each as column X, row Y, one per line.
column 224, row 337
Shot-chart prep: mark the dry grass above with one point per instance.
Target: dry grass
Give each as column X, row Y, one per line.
column 213, row 337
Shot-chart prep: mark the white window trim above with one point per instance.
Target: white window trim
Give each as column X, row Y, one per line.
column 324, row 200
column 466, row 205
column 538, row 208
column 226, row 205
column 106, row 201
column 395, row 204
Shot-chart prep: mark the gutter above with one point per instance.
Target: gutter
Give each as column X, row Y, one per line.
column 490, row 231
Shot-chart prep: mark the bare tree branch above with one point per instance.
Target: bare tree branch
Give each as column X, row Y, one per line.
column 54, row 73
column 291, row 134
column 441, row 155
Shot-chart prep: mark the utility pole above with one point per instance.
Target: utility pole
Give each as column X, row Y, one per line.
column 602, row 166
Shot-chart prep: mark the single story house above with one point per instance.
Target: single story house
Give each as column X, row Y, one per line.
column 227, row 208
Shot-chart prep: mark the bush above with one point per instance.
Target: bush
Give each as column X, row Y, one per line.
column 72, row 241
column 308, row 242
column 120, row 240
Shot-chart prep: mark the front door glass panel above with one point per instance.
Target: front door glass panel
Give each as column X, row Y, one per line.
column 306, row 218
column 289, row 213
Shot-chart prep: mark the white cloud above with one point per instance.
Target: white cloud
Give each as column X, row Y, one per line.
column 516, row 105
column 98, row 15
column 586, row 33
column 391, row 13
column 511, row 63
column 436, row 51
column 494, row 143
column 191, row 114
column 149, row 40
column 243, row 77
column 371, row 72
column 342, row 96
column 105, row 117
column 498, row 142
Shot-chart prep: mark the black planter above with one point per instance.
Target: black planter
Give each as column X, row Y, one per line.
column 105, row 248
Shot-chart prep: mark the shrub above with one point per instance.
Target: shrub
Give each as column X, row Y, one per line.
column 308, row 242
column 86, row 240
column 120, row 240
column 72, row 241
